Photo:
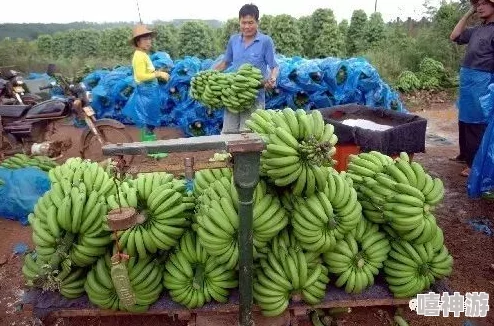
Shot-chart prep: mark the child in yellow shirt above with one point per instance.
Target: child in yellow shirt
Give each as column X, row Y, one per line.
column 146, row 104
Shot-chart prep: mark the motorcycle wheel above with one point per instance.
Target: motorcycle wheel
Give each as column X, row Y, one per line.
column 92, row 148
column 8, row 146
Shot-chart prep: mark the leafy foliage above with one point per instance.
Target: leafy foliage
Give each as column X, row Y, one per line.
column 375, row 30
column 286, row 35
column 357, row 32
column 196, row 39
column 231, row 27
column 408, row 81
column 265, row 24
column 166, row 39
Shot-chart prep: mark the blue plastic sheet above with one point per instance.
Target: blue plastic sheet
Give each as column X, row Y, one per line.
column 473, row 85
column 92, row 80
column 162, row 61
column 481, row 178
column 144, row 105
column 21, row 190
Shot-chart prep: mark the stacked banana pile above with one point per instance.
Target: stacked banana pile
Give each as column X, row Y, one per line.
column 401, row 196
column 311, row 225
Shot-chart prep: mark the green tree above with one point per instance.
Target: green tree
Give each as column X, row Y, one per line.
column 356, row 36
column 286, row 35
column 343, row 27
column 231, row 27
column 115, row 43
column 44, row 44
column 265, row 24
column 375, row 30
column 195, row 39
column 324, row 22
column 166, row 39
column 85, row 43
column 304, row 25
column 326, row 38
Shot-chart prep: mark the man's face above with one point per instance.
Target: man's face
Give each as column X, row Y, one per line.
column 248, row 26
column 485, row 9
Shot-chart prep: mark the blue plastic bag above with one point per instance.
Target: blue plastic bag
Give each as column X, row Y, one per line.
column 92, row 80
column 473, row 85
column 287, row 78
column 276, row 98
column 21, row 190
column 310, row 77
column 322, row 99
column 144, row 105
column 481, row 178
column 184, row 70
column 162, row 61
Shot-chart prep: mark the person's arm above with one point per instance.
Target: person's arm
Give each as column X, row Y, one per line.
column 139, row 65
column 460, row 33
column 227, row 58
column 269, row 57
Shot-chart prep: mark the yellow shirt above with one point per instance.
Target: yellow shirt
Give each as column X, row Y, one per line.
column 143, row 67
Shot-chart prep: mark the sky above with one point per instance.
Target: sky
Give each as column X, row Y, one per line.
column 63, row 11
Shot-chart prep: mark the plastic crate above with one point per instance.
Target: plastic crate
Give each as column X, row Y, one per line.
column 406, row 133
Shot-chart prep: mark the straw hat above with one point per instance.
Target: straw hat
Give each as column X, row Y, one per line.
column 140, row 30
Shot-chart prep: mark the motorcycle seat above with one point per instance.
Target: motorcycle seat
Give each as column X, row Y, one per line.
column 13, row 111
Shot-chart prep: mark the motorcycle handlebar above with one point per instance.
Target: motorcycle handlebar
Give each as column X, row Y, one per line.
column 45, row 87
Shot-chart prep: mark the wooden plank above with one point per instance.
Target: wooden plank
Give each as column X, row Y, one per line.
column 230, row 142
column 58, row 307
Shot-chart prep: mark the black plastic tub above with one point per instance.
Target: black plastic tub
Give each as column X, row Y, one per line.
column 404, row 132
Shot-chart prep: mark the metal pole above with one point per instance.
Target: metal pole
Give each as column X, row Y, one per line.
column 246, row 177
column 375, row 6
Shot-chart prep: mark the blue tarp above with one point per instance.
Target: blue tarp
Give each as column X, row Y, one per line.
column 20, row 191
column 481, row 178
column 302, row 83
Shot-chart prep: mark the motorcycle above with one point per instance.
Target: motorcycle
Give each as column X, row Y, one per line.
column 32, row 129
column 13, row 90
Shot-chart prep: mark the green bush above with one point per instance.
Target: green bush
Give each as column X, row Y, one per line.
column 408, row 82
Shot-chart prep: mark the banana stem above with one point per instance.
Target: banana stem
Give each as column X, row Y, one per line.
column 198, row 281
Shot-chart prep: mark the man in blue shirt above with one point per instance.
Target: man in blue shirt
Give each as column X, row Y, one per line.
column 249, row 46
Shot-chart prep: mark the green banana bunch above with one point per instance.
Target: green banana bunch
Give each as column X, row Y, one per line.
column 69, row 282
column 145, row 275
column 299, row 148
column 194, row 278
column 75, row 227
column 292, row 275
column 413, row 268
column 358, row 257
column 22, row 160
column 321, row 219
column 163, row 202
column 403, row 195
column 217, row 220
column 76, row 171
column 203, row 178
column 367, row 165
column 235, row 91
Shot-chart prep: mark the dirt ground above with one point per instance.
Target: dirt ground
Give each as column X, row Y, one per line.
column 473, row 251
